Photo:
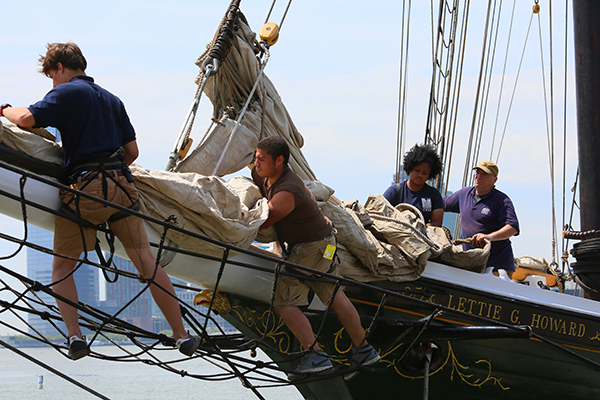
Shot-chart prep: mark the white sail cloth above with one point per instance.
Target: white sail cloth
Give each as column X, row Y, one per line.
column 230, row 212
column 38, row 143
column 376, row 241
column 266, row 115
column 393, row 244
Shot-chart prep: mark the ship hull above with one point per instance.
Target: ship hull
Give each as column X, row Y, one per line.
column 488, row 346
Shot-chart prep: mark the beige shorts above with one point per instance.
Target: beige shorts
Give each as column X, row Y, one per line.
column 130, row 231
column 292, row 292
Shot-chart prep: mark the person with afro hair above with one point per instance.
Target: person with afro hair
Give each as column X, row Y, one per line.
column 421, row 163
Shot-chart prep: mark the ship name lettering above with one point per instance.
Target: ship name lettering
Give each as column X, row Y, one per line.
column 557, row 325
column 472, row 306
column 514, row 317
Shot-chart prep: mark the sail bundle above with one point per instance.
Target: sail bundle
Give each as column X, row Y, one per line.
column 377, row 241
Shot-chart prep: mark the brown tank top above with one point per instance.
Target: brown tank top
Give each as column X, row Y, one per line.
column 306, row 222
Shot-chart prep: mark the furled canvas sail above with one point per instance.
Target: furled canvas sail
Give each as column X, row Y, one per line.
column 266, row 115
column 376, row 241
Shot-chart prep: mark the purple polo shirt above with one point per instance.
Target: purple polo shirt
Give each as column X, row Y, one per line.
column 92, row 121
column 486, row 215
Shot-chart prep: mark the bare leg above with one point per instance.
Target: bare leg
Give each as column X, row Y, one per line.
column 349, row 318
column 299, row 324
column 67, row 289
column 144, row 261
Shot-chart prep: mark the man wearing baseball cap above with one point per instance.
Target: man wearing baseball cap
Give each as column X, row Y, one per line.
column 486, row 213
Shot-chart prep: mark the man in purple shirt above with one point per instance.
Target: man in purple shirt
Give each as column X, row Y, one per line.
column 486, row 213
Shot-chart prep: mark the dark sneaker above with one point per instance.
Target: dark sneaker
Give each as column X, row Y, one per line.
column 78, row 348
column 314, row 362
column 189, row 345
column 366, row 355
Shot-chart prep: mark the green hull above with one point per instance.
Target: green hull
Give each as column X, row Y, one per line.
column 484, row 350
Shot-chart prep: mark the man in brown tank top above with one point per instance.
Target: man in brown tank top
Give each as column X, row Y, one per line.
column 309, row 237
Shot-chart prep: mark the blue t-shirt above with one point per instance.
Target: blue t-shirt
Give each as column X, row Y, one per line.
column 485, row 214
column 427, row 199
column 92, row 121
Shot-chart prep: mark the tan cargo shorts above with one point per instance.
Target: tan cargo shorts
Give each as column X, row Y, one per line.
column 130, row 231
column 291, row 291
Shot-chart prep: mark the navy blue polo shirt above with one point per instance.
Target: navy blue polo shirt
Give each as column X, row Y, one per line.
column 92, row 121
column 485, row 214
column 426, row 200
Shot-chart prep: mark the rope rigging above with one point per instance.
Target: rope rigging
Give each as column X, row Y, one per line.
column 403, row 88
column 549, row 125
column 480, row 105
column 213, row 58
column 442, row 116
column 222, row 349
column 448, row 144
column 218, row 51
column 443, row 50
column 512, row 16
column 490, row 58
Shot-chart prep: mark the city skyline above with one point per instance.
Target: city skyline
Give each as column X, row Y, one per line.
column 94, row 290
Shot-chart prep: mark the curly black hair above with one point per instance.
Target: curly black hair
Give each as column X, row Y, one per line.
column 422, row 154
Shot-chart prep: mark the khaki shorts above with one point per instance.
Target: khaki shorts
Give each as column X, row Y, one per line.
column 130, row 231
column 292, row 292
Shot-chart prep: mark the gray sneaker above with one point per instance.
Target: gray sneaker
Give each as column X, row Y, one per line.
column 314, row 362
column 366, row 355
column 78, row 348
column 189, row 345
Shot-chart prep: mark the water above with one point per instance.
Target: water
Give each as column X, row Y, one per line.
column 118, row 380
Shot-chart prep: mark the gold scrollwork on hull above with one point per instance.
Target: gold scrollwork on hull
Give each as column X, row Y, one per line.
column 596, row 336
column 457, row 369
column 338, row 340
column 258, row 322
column 471, row 379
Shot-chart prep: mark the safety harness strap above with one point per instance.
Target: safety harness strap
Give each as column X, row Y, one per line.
column 94, row 168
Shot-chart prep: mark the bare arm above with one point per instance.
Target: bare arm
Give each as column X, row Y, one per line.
column 20, row 116
column 130, row 152
column 437, row 217
column 503, row 233
column 280, row 206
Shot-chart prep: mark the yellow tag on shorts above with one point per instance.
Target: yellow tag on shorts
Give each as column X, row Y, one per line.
column 329, row 252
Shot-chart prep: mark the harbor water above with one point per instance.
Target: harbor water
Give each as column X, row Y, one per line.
column 20, row 379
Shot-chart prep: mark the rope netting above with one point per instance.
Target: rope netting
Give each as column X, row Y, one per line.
column 226, row 351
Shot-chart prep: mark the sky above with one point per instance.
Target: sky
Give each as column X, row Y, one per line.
column 336, row 66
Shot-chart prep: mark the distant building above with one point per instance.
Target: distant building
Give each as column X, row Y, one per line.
column 142, row 312
column 187, row 296
column 121, row 292
column 39, row 268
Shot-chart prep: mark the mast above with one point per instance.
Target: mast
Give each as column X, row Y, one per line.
column 586, row 17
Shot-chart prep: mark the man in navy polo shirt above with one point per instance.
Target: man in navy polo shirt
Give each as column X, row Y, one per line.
column 486, row 213
column 99, row 143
